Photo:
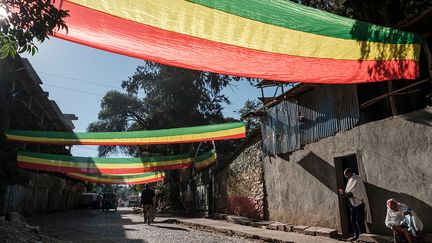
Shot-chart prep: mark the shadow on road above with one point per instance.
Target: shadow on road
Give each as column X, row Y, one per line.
column 169, row 227
column 125, row 225
column 90, row 225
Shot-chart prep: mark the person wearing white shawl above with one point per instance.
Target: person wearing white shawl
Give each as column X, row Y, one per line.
column 402, row 220
column 359, row 203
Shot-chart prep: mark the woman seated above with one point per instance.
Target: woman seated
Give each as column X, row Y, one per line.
column 403, row 221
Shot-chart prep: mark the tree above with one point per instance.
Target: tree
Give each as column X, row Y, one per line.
column 90, row 187
column 252, row 123
column 386, row 12
column 119, row 112
column 21, row 22
column 173, row 97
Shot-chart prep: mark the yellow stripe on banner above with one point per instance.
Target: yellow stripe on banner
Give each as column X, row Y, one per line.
column 165, row 139
column 99, row 165
column 114, row 179
column 199, row 21
column 206, row 162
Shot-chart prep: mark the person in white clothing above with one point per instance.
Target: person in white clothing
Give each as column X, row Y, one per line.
column 358, row 201
column 403, row 221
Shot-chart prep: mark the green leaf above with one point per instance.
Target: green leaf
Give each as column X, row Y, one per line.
column 12, row 52
column 4, row 54
column 23, row 49
column 4, row 47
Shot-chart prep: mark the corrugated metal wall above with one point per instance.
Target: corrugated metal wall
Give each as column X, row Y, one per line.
column 316, row 114
column 280, row 128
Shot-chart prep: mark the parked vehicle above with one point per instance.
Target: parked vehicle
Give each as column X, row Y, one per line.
column 134, row 201
column 88, row 200
column 109, row 201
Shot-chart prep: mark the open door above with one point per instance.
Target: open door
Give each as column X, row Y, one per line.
column 341, row 163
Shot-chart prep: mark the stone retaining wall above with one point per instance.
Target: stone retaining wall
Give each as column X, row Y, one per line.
column 239, row 187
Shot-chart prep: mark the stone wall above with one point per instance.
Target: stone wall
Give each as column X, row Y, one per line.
column 394, row 157
column 239, row 187
column 42, row 193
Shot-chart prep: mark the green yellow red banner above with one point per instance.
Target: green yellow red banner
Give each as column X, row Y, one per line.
column 120, row 179
column 235, row 130
column 205, row 160
column 110, row 166
column 277, row 40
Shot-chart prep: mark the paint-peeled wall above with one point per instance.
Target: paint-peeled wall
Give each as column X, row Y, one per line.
column 42, row 193
column 394, row 158
column 239, row 187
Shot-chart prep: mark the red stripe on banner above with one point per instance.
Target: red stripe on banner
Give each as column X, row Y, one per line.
column 59, row 169
column 113, row 143
column 110, row 33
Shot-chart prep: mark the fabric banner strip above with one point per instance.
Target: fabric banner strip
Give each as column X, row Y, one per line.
column 120, row 179
column 111, row 166
column 290, row 15
column 205, row 160
column 166, row 136
column 244, row 43
column 206, row 23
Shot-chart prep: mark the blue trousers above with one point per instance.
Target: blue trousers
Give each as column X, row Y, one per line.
column 357, row 219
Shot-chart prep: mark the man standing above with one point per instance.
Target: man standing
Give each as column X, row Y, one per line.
column 147, row 196
column 358, row 202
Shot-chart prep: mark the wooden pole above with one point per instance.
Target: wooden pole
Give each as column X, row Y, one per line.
column 372, row 101
column 392, row 100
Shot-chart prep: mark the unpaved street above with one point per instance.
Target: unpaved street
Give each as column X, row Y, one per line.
column 121, row 226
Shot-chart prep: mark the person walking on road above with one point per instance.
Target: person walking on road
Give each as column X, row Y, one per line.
column 358, row 201
column 147, row 196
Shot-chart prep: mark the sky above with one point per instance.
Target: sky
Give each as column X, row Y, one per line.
column 77, row 77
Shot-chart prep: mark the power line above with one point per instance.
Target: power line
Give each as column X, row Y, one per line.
column 75, row 90
column 79, row 80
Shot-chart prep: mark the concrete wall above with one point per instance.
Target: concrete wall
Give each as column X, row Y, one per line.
column 394, row 157
column 239, row 187
column 44, row 193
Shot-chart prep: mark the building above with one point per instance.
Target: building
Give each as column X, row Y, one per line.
column 311, row 133
column 25, row 105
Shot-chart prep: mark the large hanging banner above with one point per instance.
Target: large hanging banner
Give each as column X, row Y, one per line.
column 120, row 179
column 205, row 160
column 235, row 130
column 109, row 166
column 276, row 40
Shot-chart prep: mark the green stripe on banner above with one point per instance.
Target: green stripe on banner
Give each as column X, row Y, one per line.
column 295, row 16
column 68, row 158
column 205, row 156
column 136, row 134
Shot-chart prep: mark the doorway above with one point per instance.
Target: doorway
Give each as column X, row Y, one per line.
column 342, row 163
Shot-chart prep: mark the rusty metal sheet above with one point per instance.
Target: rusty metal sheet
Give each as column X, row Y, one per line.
column 319, row 113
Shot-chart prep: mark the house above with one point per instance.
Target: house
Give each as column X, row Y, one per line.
column 25, row 105
column 311, row 133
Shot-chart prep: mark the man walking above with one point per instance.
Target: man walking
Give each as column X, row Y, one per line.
column 147, row 196
column 358, row 202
